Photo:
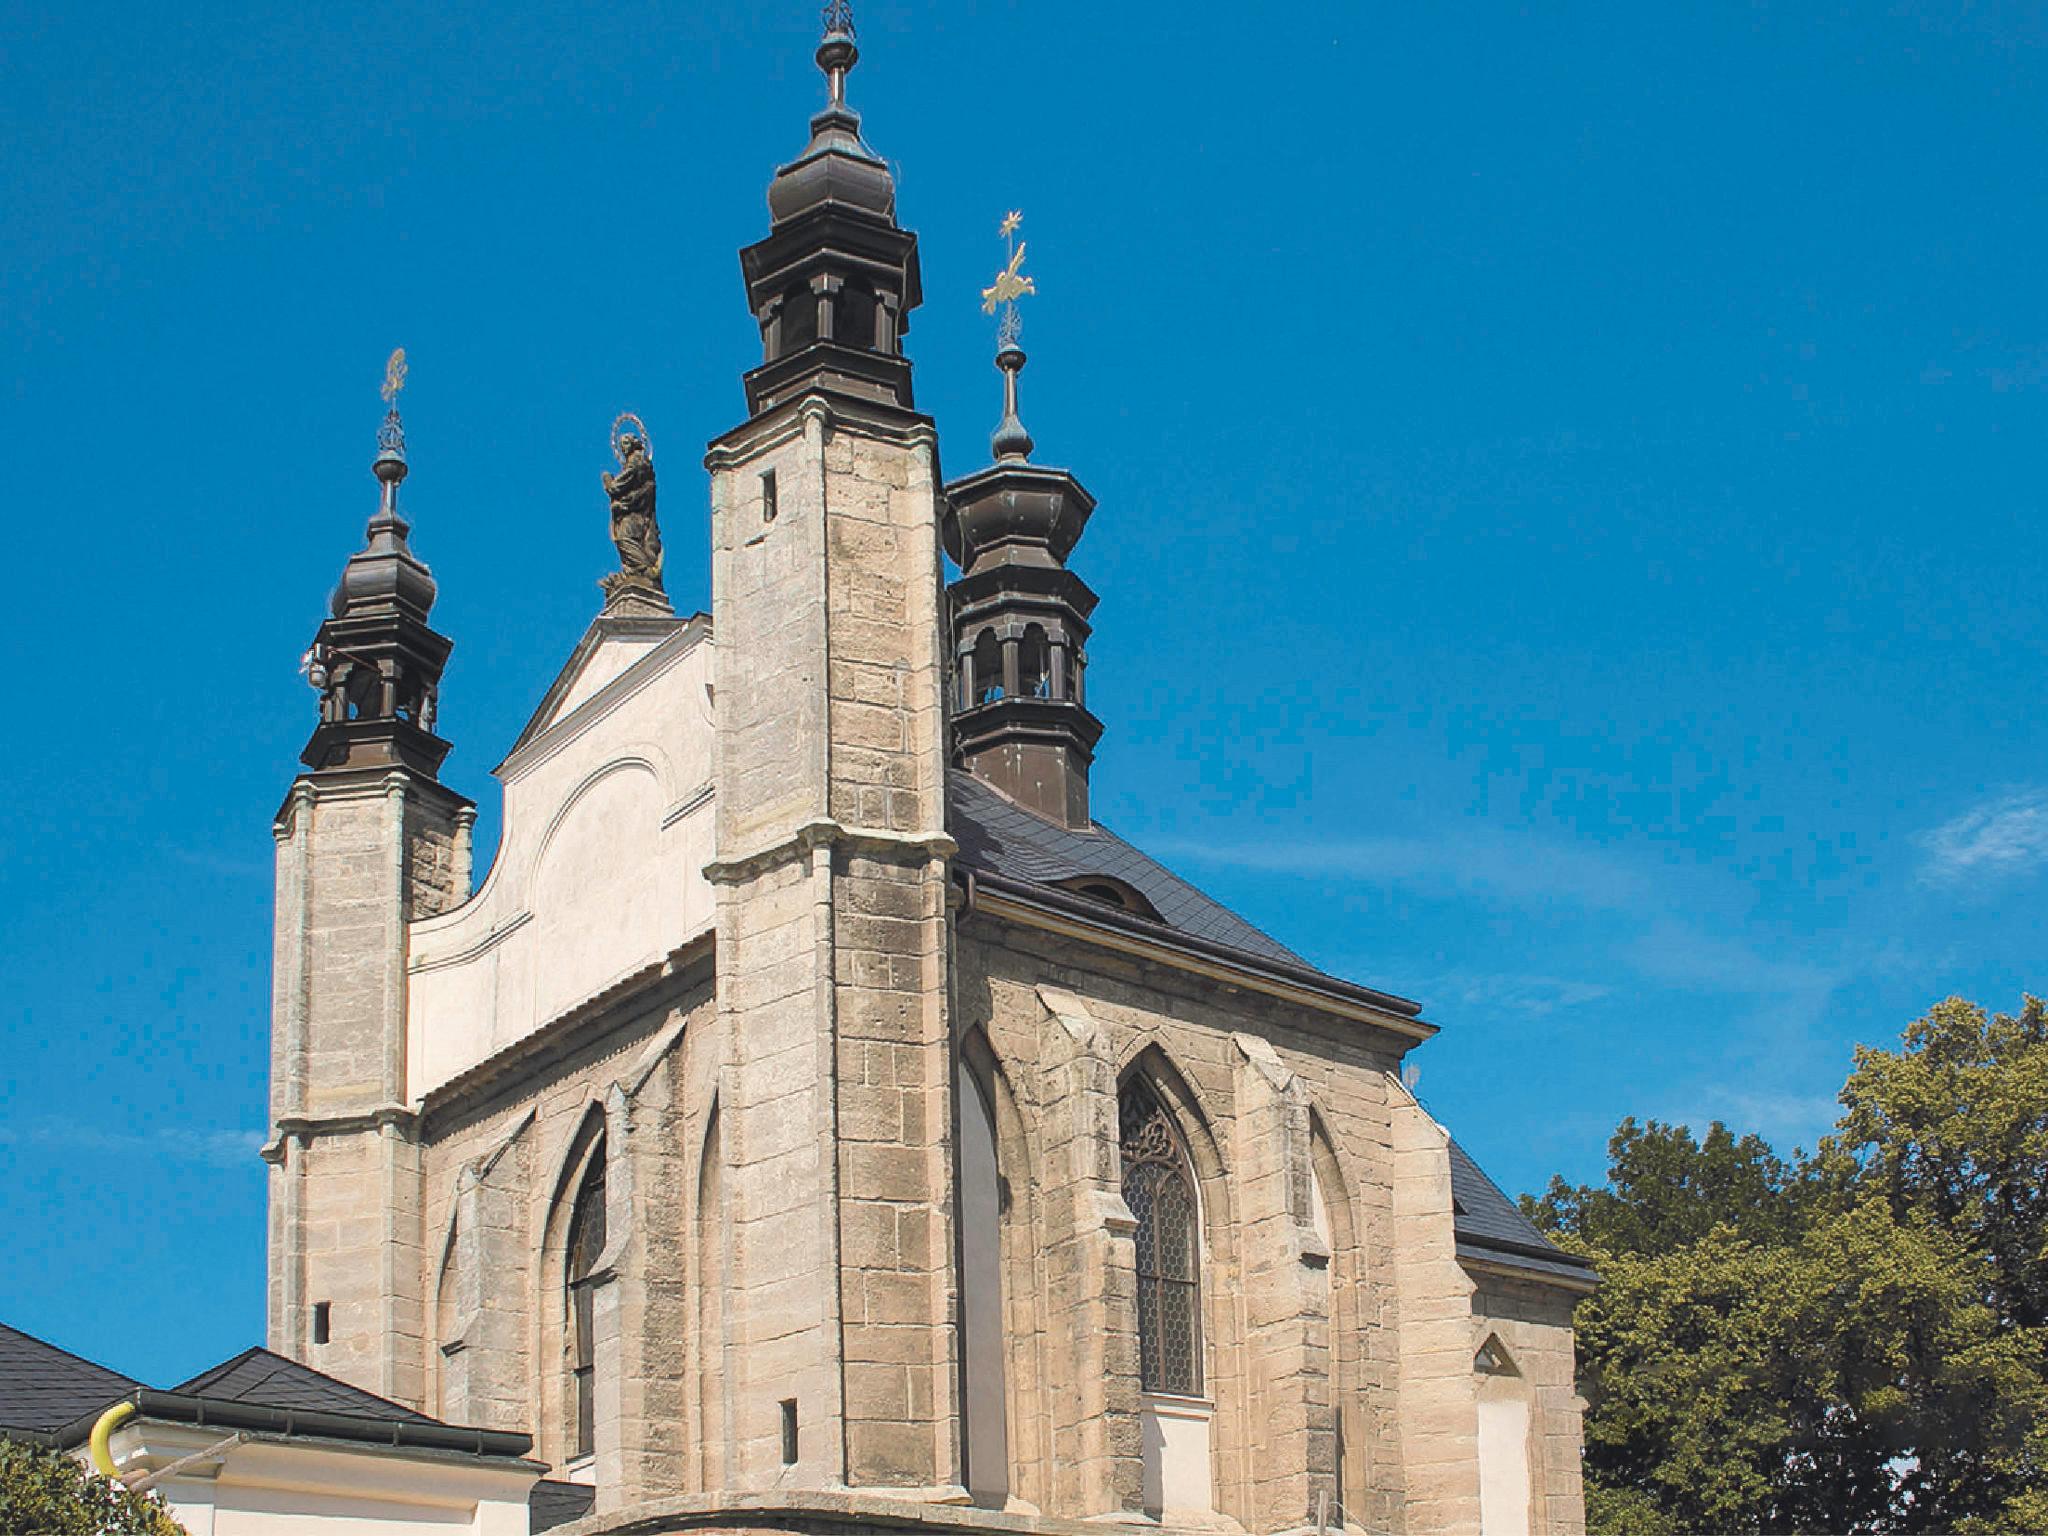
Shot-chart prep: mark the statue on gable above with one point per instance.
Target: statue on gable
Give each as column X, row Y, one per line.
column 634, row 530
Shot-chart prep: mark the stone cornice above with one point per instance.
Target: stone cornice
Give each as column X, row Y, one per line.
column 375, row 1118
column 1505, row 1268
column 345, row 784
column 788, row 419
column 819, row 833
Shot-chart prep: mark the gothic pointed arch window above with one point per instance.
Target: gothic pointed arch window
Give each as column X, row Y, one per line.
column 586, row 1245
column 1159, row 1187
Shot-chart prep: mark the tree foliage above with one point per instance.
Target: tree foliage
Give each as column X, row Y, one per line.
column 43, row 1493
column 1847, row 1341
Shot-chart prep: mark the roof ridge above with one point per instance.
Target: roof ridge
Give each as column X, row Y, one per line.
column 69, row 1354
column 270, row 1367
column 192, row 1384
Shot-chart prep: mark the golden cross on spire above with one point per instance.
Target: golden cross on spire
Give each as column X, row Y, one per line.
column 1010, row 285
column 394, row 377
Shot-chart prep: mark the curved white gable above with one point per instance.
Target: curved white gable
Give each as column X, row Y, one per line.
column 600, row 870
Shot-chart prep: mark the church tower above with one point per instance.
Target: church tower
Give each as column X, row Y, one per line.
column 368, row 839
column 831, row 1144
column 1019, row 616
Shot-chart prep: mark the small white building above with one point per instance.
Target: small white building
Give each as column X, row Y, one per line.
column 264, row 1446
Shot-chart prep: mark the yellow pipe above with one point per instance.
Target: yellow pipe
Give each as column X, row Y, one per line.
column 111, row 1420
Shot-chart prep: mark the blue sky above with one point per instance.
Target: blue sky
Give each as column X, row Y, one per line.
column 1570, row 483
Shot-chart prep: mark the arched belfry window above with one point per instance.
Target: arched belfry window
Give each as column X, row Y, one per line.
column 988, row 668
column 1159, row 1187
column 586, row 1244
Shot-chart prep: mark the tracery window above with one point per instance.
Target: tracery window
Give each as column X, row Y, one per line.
column 586, row 1243
column 1159, row 1187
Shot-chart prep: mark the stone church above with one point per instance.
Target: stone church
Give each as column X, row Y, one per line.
column 814, row 1117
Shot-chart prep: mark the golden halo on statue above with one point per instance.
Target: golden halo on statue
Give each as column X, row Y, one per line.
column 619, row 438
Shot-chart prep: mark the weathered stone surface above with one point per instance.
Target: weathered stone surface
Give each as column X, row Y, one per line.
column 753, row 1002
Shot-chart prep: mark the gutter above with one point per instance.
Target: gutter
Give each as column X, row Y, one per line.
column 295, row 1423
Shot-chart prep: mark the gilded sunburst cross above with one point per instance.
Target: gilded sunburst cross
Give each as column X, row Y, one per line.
column 1011, row 283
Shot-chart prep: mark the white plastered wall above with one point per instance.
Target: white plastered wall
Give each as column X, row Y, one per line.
column 297, row 1487
column 599, row 871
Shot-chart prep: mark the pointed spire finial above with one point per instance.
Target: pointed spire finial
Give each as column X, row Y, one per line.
column 389, row 466
column 1010, row 441
column 387, row 529
column 836, row 51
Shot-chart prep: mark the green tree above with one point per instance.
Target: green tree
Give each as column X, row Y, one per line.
column 1665, row 1190
column 1841, row 1342
column 43, row 1493
column 1953, row 1129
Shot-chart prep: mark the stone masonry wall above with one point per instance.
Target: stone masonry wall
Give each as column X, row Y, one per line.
column 355, row 853
column 830, row 881
column 502, row 1163
column 1250, row 1070
column 1534, row 1322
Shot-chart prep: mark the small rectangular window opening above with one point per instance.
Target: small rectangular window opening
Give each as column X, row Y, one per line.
column 789, row 1431
column 768, row 506
column 321, row 1313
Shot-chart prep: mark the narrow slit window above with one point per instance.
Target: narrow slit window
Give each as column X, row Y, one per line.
column 789, row 1432
column 769, row 505
column 586, row 1245
column 323, row 1318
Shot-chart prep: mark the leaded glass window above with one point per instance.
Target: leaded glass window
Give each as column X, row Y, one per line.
column 1160, row 1190
column 586, row 1244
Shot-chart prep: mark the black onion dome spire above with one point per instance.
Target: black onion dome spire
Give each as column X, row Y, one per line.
column 833, row 284
column 1020, row 617
column 836, row 166
column 375, row 662
column 385, row 570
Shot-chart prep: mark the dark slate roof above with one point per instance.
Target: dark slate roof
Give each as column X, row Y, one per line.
column 555, row 1503
column 258, row 1377
column 1490, row 1228
column 997, row 835
column 43, row 1388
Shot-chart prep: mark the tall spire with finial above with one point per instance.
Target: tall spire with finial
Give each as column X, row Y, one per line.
column 1011, row 441
column 1020, row 617
column 833, row 285
column 375, row 662
column 837, row 52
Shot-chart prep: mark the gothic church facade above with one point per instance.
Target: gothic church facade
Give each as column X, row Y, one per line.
column 815, row 1117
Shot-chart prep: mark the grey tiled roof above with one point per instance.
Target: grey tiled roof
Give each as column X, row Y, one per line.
column 1003, row 838
column 1489, row 1226
column 554, row 1503
column 271, row 1381
column 44, row 1388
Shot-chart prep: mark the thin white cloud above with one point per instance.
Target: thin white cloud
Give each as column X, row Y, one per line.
column 2005, row 836
column 1784, row 1119
column 1530, row 996
column 167, row 1143
column 1679, row 954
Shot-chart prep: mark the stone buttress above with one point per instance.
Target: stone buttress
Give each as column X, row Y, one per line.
column 831, row 863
